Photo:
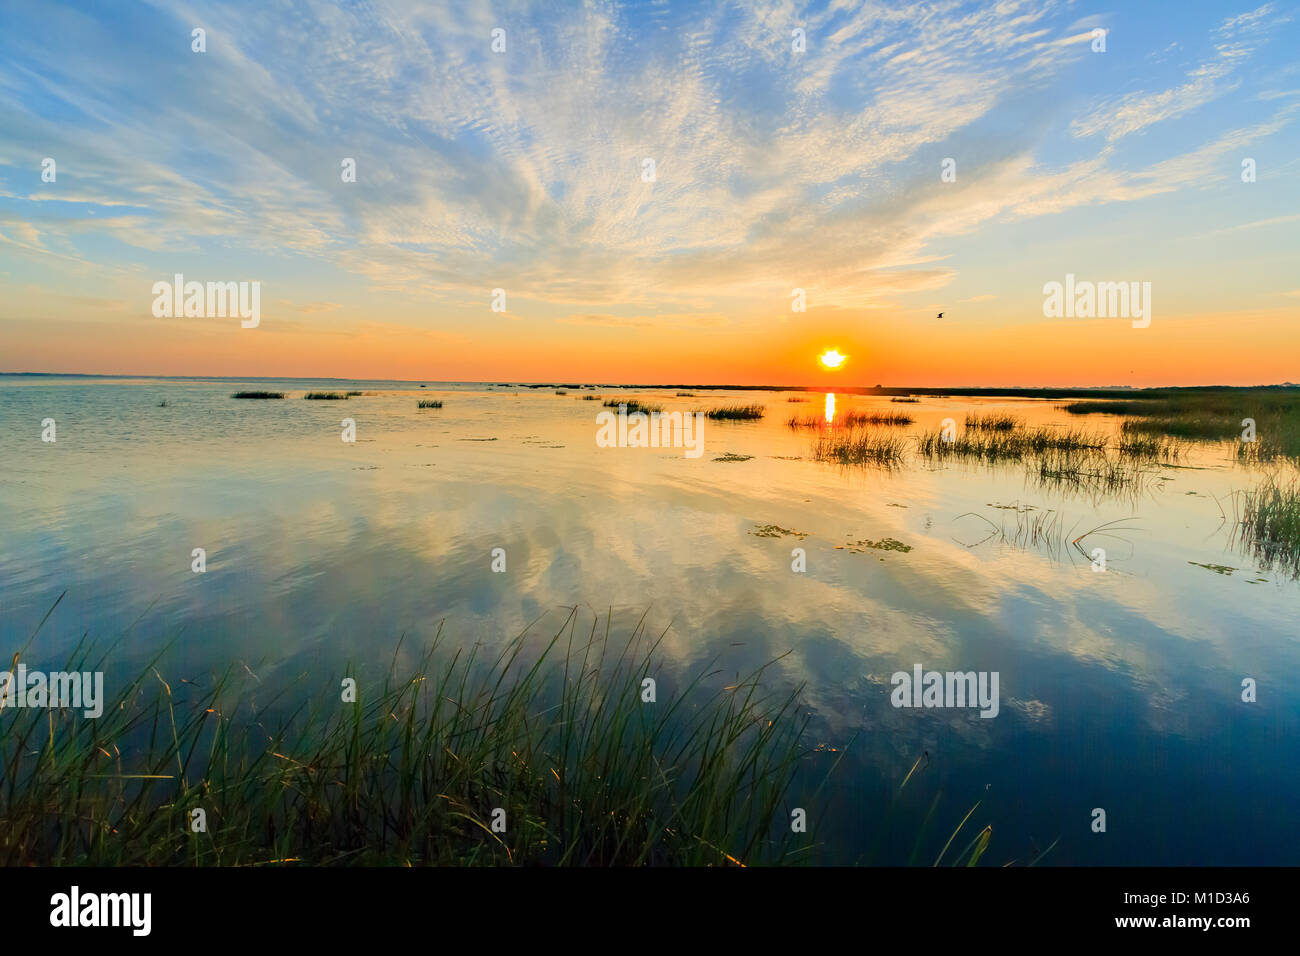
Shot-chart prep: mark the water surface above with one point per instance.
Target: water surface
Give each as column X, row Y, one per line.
column 1119, row 690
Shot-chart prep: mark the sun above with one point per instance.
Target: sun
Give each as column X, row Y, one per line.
column 832, row 359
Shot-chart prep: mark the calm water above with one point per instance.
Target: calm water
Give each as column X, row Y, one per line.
column 1119, row 690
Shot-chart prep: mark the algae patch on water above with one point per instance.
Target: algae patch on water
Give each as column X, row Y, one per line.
column 884, row 544
column 776, row 531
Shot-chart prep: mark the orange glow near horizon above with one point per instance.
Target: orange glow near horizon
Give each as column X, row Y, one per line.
column 1198, row 349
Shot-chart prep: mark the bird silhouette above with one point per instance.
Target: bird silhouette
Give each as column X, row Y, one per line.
column 941, row 315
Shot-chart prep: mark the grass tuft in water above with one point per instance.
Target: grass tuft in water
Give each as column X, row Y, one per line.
column 994, row 422
column 1268, row 526
column 326, row 396
column 736, row 413
column 859, row 447
column 258, row 395
column 648, row 408
column 430, row 403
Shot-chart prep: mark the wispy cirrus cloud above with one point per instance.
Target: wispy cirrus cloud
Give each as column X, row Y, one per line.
column 773, row 168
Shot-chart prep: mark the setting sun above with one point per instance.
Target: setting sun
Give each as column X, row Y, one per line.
column 831, row 358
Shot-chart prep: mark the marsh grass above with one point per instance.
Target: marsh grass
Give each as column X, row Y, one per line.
column 560, row 391
column 1267, row 526
column 412, row 771
column 352, row 394
column 590, row 398
column 429, row 403
column 852, row 419
column 1136, row 442
column 1093, row 471
column 1045, row 530
column 1074, row 459
column 258, row 395
column 685, row 394
column 1276, row 438
column 633, row 406
column 806, row 421
column 1010, row 445
column 993, row 421
column 905, row 400
column 1214, row 415
column 326, row 396
column 859, row 447
column 735, row 413
column 856, row 418
column 991, row 447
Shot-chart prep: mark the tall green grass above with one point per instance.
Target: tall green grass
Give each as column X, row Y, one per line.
column 412, row 772
column 1215, row 415
column 1268, row 525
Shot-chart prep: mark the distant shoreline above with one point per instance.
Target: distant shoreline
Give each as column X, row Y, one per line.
column 1011, row 391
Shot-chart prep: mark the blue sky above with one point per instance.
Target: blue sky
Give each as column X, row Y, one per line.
column 775, row 169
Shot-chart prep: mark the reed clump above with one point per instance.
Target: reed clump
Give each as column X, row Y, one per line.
column 993, row 421
column 1268, row 525
column 258, row 395
column 860, row 447
column 633, row 406
column 736, row 413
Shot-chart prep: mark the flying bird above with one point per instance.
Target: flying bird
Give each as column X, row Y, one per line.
column 941, row 315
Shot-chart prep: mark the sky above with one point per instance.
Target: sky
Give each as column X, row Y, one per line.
column 1103, row 142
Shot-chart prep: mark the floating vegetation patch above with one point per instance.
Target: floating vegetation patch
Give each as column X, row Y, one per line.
column 884, row 544
column 326, row 397
column 258, row 395
column 431, row 403
column 729, row 456
column 776, row 531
